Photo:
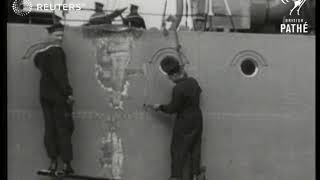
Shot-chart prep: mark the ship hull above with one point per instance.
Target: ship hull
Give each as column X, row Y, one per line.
column 259, row 127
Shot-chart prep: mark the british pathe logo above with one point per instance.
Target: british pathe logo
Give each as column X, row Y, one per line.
column 297, row 5
column 21, row 7
column 294, row 24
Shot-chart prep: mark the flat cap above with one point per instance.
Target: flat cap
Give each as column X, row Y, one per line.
column 134, row 6
column 170, row 65
column 98, row 4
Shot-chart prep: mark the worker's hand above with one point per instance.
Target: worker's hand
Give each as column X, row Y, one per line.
column 156, row 107
column 70, row 99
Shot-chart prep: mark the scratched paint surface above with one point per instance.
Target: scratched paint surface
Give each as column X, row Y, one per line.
column 112, row 53
column 113, row 74
column 111, row 152
column 113, row 56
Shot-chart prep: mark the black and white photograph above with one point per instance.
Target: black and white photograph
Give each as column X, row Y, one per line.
column 161, row 89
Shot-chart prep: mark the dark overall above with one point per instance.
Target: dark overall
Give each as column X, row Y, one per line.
column 54, row 90
column 134, row 20
column 100, row 18
column 187, row 131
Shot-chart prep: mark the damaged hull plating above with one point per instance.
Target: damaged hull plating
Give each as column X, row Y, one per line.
column 256, row 127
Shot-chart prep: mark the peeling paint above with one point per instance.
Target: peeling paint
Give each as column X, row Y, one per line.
column 113, row 57
column 112, row 69
column 112, row 157
column 111, row 149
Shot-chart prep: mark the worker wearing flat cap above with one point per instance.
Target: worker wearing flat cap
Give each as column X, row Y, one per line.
column 99, row 17
column 134, row 19
column 56, row 99
column 187, row 130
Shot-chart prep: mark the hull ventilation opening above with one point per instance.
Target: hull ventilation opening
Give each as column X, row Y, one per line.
column 249, row 67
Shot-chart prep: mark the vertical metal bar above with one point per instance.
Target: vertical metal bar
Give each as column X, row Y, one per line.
column 53, row 14
column 187, row 12
column 210, row 14
column 163, row 23
column 64, row 13
column 229, row 13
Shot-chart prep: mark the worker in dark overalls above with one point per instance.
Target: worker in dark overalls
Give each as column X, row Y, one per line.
column 187, row 130
column 134, row 19
column 100, row 17
column 56, row 100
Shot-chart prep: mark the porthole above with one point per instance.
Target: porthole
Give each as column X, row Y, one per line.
column 161, row 53
column 249, row 63
column 249, row 67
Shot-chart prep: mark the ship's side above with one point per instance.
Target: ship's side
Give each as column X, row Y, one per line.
column 259, row 126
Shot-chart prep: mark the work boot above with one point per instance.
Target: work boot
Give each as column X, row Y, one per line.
column 53, row 165
column 201, row 176
column 67, row 169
